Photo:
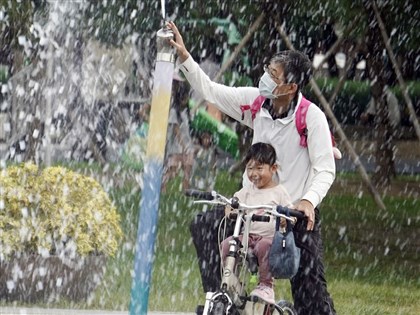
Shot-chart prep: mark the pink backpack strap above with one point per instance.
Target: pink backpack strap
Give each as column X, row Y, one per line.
column 254, row 107
column 300, row 121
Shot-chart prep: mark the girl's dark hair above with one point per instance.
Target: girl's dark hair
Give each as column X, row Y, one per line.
column 296, row 65
column 263, row 153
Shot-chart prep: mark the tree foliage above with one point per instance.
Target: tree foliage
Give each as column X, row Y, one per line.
column 212, row 29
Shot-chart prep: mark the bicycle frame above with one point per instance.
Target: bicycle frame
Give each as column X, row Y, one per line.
column 231, row 298
column 230, row 279
column 232, row 285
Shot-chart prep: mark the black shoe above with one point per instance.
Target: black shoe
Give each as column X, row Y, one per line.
column 199, row 309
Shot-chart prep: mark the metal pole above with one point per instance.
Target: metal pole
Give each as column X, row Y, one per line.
column 152, row 177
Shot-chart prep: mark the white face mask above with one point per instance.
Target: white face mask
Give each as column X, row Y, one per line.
column 267, row 87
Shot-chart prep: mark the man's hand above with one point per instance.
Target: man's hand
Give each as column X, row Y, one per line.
column 308, row 209
column 178, row 43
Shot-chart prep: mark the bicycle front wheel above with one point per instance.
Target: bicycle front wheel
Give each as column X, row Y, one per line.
column 219, row 308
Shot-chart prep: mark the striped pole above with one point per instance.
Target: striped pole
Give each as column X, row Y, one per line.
column 152, row 176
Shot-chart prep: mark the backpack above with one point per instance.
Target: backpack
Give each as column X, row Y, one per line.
column 300, row 120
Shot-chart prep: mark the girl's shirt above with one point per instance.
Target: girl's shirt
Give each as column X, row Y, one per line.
column 252, row 196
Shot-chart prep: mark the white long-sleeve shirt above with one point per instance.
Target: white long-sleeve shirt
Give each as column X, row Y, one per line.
column 306, row 173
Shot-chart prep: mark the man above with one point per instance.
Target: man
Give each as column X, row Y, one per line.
column 306, row 172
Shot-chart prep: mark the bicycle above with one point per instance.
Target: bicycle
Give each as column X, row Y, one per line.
column 232, row 297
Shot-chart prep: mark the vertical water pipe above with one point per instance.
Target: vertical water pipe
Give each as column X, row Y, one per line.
column 152, row 176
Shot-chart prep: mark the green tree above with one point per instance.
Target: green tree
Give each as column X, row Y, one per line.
column 207, row 31
column 16, row 21
column 402, row 19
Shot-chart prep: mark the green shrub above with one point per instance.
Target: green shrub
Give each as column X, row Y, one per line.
column 353, row 98
column 53, row 210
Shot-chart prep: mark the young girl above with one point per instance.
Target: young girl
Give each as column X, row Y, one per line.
column 260, row 168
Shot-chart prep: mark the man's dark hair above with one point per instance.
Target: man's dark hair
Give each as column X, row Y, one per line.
column 296, row 65
column 263, row 153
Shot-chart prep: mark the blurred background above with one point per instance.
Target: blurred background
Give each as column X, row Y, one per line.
column 76, row 81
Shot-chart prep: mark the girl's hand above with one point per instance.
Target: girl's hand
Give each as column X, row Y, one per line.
column 178, row 43
column 283, row 223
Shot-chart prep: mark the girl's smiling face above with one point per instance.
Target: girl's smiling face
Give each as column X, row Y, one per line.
column 261, row 175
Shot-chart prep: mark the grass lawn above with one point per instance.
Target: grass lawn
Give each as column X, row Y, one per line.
column 371, row 256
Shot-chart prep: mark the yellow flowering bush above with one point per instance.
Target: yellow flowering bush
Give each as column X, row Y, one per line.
column 55, row 210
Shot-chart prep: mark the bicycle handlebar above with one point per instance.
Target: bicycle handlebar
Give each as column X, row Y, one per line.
column 255, row 217
column 214, row 196
column 292, row 212
column 199, row 194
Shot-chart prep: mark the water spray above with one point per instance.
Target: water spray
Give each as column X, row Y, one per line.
column 152, row 176
column 162, row 5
